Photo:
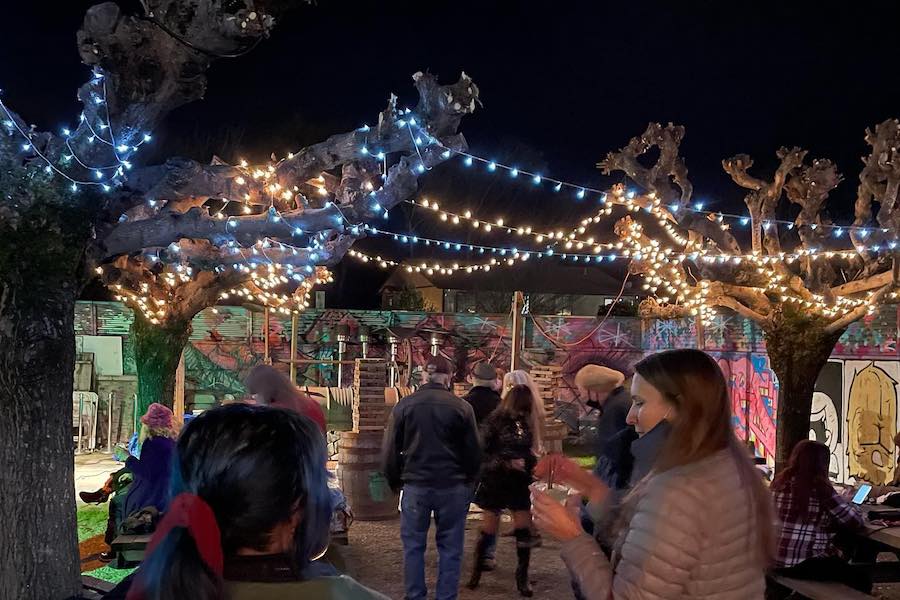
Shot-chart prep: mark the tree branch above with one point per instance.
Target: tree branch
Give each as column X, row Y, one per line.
column 740, row 309
column 858, row 312
column 863, row 285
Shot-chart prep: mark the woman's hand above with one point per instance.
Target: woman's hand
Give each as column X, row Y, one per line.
column 518, row 464
column 566, row 471
column 561, row 522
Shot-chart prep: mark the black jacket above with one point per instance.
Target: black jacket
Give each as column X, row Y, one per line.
column 431, row 440
column 483, row 400
column 507, row 438
column 613, row 413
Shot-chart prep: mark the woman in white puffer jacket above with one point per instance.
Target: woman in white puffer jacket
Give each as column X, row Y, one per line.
column 699, row 525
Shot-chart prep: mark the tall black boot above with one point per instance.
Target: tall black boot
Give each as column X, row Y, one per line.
column 524, row 544
column 485, row 540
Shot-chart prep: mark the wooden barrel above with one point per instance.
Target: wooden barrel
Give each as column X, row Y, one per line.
column 554, row 434
column 360, row 477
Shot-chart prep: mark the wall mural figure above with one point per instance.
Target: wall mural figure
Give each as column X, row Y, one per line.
column 827, row 417
column 871, row 419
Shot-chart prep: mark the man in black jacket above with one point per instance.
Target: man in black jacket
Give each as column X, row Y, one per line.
column 432, row 450
column 483, row 396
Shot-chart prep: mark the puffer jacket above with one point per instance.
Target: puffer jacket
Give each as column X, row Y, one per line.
column 692, row 536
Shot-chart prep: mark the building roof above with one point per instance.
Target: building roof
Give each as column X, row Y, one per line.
column 536, row 276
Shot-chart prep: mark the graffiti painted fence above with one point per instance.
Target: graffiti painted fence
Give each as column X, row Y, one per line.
column 855, row 406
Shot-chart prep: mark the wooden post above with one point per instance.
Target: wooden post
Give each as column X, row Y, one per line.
column 266, row 358
column 516, row 344
column 701, row 334
column 178, row 401
column 293, row 348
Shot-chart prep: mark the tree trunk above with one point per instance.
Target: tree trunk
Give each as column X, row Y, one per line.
column 798, row 348
column 38, row 548
column 157, row 350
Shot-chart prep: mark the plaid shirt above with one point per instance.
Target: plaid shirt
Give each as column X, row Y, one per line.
column 812, row 536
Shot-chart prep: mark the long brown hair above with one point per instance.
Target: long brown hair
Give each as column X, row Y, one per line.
column 692, row 382
column 516, row 378
column 806, row 475
column 517, row 401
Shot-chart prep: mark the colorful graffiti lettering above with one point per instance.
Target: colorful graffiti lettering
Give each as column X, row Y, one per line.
column 754, row 394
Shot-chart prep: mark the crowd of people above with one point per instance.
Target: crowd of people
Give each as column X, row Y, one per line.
column 675, row 507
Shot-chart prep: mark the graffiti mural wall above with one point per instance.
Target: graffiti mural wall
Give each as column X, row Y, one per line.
column 854, row 407
column 827, row 422
column 855, row 414
column 754, row 397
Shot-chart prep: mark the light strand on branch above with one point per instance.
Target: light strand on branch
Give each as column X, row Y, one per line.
column 122, row 150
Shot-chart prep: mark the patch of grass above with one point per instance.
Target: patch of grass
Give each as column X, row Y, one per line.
column 585, row 462
column 91, row 521
column 108, row 573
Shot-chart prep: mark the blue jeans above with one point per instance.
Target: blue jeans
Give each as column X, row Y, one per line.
column 450, row 506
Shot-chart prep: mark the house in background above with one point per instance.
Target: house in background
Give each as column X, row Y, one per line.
column 550, row 288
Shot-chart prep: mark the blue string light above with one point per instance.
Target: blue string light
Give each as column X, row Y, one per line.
column 121, row 164
column 558, row 184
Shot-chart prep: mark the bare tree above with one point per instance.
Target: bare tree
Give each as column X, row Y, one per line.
column 803, row 297
column 79, row 202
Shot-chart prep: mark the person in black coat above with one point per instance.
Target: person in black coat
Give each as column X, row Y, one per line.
column 509, row 439
column 483, row 396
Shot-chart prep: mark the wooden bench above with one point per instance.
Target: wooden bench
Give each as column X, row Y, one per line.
column 818, row 590
column 130, row 549
column 93, row 588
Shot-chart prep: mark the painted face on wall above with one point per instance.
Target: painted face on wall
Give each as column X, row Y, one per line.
column 648, row 406
column 872, row 416
column 823, row 427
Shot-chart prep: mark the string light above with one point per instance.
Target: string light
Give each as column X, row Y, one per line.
column 120, row 150
column 580, row 190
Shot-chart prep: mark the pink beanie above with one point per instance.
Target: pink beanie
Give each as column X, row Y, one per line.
column 158, row 417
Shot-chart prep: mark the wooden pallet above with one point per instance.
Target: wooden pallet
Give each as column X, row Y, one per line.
column 546, row 379
column 369, row 411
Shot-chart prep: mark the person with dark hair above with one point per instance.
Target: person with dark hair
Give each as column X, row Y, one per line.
column 249, row 516
column 271, row 387
column 699, row 524
column 432, row 451
column 483, row 394
column 509, row 459
column 812, row 513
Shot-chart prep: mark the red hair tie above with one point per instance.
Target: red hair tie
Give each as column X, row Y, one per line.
column 194, row 514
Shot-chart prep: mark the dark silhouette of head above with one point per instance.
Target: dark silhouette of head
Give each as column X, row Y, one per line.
column 257, row 468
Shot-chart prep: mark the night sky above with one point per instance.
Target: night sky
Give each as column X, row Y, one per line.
column 562, row 84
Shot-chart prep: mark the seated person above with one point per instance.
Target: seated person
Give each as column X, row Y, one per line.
column 114, row 484
column 812, row 513
column 250, row 515
column 150, row 473
column 271, row 387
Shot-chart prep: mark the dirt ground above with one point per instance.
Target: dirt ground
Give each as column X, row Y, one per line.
column 374, row 557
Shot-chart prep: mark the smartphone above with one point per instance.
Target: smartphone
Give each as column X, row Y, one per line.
column 862, row 493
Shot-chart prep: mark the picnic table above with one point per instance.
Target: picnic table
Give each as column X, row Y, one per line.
column 887, row 539
column 889, row 536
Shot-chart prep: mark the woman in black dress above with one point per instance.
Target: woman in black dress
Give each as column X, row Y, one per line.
column 508, row 462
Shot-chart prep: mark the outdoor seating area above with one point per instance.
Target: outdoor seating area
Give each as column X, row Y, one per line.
column 464, row 300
